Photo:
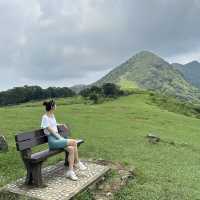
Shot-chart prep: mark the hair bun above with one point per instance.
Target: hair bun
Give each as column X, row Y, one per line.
column 44, row 103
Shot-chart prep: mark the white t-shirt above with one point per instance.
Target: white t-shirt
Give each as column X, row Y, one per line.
column 48, row 121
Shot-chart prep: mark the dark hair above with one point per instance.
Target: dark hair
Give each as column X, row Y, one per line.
column 49, row 104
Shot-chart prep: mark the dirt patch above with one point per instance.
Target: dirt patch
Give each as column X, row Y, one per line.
column 118, row 177
column 5, row 195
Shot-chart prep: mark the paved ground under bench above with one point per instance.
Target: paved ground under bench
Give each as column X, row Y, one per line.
column 58, row 186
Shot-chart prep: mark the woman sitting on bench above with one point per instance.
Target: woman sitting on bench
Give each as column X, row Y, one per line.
column 56, row 141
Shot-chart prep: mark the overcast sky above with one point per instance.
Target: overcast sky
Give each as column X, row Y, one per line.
column 67, row 42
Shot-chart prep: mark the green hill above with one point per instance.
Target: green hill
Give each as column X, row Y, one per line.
column 191, row 72
column 116, row 131
column 148, row 71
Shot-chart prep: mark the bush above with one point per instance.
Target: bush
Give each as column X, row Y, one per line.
column 110, row 90
column 99, row 94
column 85, row 92
column 94, row 97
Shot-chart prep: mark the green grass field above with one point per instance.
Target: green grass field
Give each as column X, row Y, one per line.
column 116, row 130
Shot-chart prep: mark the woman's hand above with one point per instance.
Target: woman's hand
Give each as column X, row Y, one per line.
column 65, row 126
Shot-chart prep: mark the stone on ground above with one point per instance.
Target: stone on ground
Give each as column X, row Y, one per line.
column 3, row 144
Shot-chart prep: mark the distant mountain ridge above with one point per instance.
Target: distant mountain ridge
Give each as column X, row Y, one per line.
column 191, row 72
column 148, row 71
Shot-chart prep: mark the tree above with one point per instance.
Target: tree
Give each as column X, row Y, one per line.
column 97, row 90
column 110, row 90
column 94, row 97
column 26, row 93
column 85, row 92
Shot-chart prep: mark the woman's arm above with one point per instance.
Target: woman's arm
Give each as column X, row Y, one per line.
column 46, row 125
column 55, row 133
column 66, row 129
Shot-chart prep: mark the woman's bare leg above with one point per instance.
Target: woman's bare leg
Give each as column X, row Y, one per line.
column 76, row 157
column 72, row 142
column 70, row 149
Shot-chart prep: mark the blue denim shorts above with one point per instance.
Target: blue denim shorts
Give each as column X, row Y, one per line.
column 55, row 143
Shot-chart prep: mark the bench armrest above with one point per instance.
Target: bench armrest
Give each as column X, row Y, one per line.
column 79, row 142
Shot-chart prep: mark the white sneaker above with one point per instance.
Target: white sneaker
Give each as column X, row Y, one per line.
column 70, row 174
column 80, row 166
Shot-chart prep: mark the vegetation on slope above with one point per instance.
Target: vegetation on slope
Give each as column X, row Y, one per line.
column 116, row 131
column 173, row 105
column 191, row 72
column 146, row 70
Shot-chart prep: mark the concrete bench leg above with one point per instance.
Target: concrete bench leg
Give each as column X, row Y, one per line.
column 29, row 176
column 34, row 173
column 36, row 169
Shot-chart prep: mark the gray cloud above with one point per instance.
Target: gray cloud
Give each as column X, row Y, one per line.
column 56, row 42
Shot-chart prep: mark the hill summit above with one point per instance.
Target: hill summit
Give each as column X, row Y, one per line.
column 145, row 70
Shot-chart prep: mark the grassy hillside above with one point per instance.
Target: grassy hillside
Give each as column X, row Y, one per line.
column 173, row 105
column 116, row 131
column 146, row 70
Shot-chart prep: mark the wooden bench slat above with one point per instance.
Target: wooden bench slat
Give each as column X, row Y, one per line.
column 27, row 144
column 29, row 135
column 43, row 155
column 37, row 137
column 40, row 156
column 38, row 133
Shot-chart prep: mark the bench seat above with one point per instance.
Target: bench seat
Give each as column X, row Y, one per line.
column 43, row 155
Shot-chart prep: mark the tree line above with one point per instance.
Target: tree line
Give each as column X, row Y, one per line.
column 26, row 93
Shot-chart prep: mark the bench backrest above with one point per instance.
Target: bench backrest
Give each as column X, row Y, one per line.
column 30, row 139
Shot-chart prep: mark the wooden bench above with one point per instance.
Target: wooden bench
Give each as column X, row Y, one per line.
column 33, row 161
